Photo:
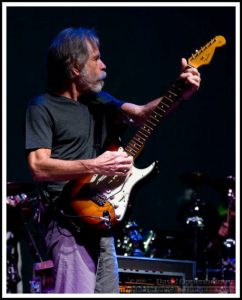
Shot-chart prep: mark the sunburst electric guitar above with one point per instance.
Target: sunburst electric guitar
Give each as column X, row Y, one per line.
column 101, row 201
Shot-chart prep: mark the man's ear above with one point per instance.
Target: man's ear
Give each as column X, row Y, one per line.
column 75, row 70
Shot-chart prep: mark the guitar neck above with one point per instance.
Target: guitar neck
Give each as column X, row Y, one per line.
column 172, row 97
column 169, row 101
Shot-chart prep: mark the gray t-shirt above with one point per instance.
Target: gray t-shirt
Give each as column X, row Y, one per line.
column 71, row 129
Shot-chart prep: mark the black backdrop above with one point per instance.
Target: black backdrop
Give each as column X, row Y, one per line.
column 141, row 47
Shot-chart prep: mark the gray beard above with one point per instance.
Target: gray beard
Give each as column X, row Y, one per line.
column 88, row 84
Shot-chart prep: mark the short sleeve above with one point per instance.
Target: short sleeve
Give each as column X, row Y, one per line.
column 108, row 99
column 38, row 128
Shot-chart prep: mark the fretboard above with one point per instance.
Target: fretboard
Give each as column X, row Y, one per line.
column 169, row 101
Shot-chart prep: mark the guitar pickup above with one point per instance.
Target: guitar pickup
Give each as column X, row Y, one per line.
column 99, row 199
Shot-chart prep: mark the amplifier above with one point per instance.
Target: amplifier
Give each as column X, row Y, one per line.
column 152, row 275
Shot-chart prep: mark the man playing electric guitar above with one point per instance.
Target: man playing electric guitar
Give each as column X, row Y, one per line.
column 63, row 141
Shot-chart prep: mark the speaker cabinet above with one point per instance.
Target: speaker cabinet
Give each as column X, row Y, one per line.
column 151, row 275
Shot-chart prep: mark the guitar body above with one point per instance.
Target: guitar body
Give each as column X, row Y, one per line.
column 101, row 201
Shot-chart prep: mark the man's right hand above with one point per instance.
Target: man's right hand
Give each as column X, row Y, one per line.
column 113, row 163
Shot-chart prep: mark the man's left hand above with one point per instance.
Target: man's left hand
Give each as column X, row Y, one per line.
column 191, row 77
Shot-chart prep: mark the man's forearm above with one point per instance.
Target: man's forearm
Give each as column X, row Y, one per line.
column 139, row 113
column 57, row 169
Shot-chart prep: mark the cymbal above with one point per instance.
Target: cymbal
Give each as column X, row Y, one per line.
column 194, row 179
column 14, row 188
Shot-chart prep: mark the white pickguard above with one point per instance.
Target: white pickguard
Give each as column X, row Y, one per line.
column 120, row 201
column 119, row 196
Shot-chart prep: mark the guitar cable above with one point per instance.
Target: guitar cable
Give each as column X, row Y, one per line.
column 106, row 219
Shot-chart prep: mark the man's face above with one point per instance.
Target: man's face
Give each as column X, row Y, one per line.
column 93, row 73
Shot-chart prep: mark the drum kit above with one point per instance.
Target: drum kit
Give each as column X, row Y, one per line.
column 22, row 205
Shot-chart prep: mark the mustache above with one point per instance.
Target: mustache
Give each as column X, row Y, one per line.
column 103, row 76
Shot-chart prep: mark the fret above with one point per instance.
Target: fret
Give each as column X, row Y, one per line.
column 151, row 123
column 135, row 145
column 141, row 138
column 148, row 127
column 177, row 89
column 138, row 141
column 147, row 130
column 168, row 101
column 163, row 103
column 161, row 108
column 144, row 133
column 169, row 96
column 130, row 151
column 154, row 114
column 154, row 118
column 172, row 93
column 160, row 116
column 130, row 154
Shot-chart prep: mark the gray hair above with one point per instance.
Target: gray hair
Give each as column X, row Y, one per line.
column 68, row 47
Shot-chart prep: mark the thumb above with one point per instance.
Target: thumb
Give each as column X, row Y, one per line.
column 183, row 64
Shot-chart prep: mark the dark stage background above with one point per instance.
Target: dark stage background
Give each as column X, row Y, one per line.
column 142, row 48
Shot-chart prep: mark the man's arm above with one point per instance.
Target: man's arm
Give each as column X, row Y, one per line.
column 140, row 113
column 44, row 168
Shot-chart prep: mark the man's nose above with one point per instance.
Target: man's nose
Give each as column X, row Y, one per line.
column 102, row 65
